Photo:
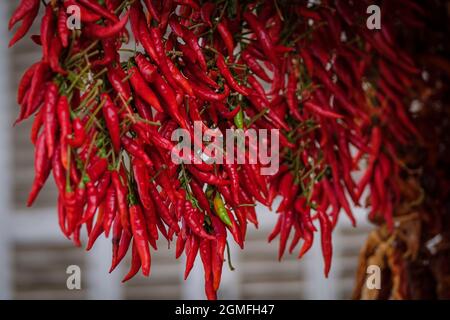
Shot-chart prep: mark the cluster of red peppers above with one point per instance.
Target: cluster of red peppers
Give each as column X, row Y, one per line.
column 104, row 115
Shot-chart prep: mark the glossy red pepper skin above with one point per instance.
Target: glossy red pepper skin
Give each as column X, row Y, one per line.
column 192, row 248
column 163, row 210
column 110, row 209
column 227, row 37
column 115, row 240
column 217, row 251
column 25, row 82
column 206, row 256
column 327, row 249
column 147, row 69
column 79, row 135
column 47, row 30
column 98, row 9
column 194, row 219
column 61, row 26
column 143, row 90
column 50, row 123
column 135, row 263
column 37, row 84
column 223, row 68
column 98, row 228
column 121, row 200
column 27, row 15
column 263, row 37
column 200, row 196
column 99, row 32
column 190, row 39
column 139, row 231
column 55, row 54
column 62, row 215
column 111, row 116
column 141, row 175
column 42, row 167
column 135, row 150
column 116, row 77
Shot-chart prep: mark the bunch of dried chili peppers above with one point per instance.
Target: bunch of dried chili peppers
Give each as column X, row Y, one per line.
column 103, row 116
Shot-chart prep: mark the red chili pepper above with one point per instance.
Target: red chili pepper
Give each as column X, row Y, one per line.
column 194, row 219
column 316, row 109
column 62, row 215
column 165, row 13
column 97, row 168
column 136, row 150
column 42, row 167
column 86, row 15
column 308, row 237
column 285, row 230
column 325, row 232
column 110, row 209
column 152, row 10
column 236, row 231
column 37, row 84
column 27, row 13
column 206, row 256
column 192, row 246
column 22, row 10
column 190, row 38
column 79, row 134
column 142, row 90
column 98, row 9
column 223, row 68
column 47, row 30
column 116, row 77
column 141, row 174
column 147, row 69
column 206, row 94
column 59, row 173
column 139, row 230
column 98, row 228
column 121, row 200
column 61, row 25
column 163, row 210
column 152, row 222
column 92, row 205
column 135, row 263
column 254, row 66
column 122, row 249
column 50, row 123
column 37, row 125
column 180, row 245
column 217, row 251
column 207, row 177
column 194, row 73
column 110, row 54
column 206, row 12
column 115, row 240
column 25, row 82
column 250, row 185
column 166, row 92
column 100, row 32
column 375, row 142
column 190, row 3
column 55, row 54
column 227, row 37
column 263, row 37
column 111, row 116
